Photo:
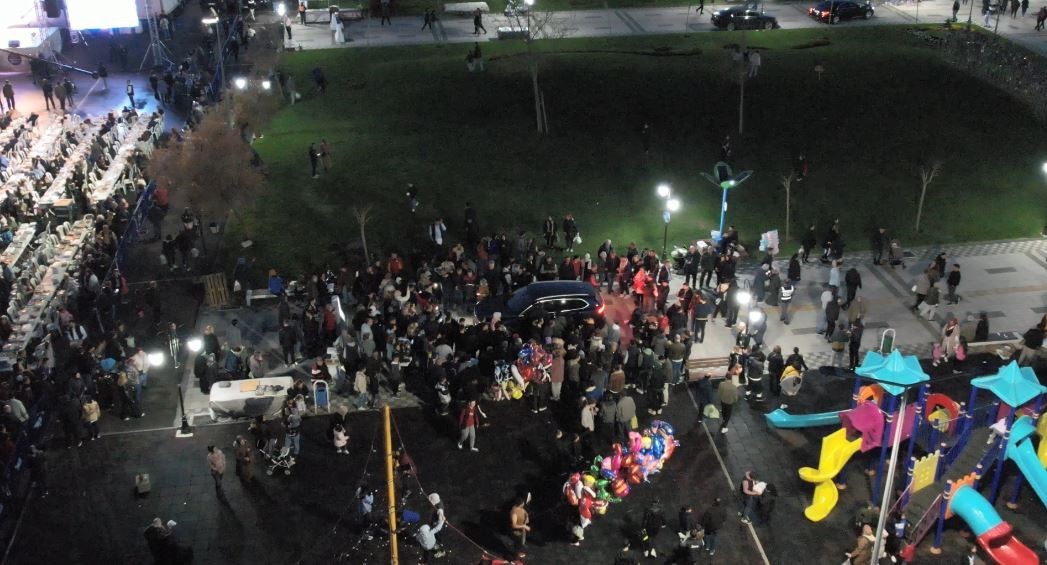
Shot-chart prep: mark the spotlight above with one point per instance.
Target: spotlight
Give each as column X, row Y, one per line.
column 156, row 359
column 663, row 191
column 195, row 344
column 743, row 297
column 673, row 205
column 281, row 9
column 266, row 84
column 755, row 317
column 240, row 82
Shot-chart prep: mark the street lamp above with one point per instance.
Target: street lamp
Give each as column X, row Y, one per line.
column 240, row 82
column 266, row 84
column 281, row 9
column 672, row 205
column 725, row 179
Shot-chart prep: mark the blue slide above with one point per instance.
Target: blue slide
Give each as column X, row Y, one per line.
column 782, row 419
column 995, row 536
column 1020, row 450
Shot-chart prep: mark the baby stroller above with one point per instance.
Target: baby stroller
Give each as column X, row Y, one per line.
column 283, row 460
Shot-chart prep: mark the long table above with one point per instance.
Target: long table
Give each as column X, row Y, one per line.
column 104, row 188
column 31, row 319
column 22, row 238
column 249, row 398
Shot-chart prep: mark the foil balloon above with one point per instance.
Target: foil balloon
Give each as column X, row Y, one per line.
column 600, row 506
column 620, row 487
column 606, row 471
column 616, row 459
column 585, row 508
column 646, row 444
column 635, row 442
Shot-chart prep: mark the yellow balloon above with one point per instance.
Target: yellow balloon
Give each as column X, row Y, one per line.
column 646, row 442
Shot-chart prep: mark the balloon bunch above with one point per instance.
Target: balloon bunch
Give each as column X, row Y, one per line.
column 610, row 478
column 532, row 365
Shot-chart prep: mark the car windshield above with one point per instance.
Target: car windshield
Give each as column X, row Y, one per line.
column 519, row 300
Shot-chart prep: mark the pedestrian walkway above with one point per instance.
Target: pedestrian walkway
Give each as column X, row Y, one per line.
column 407, row 30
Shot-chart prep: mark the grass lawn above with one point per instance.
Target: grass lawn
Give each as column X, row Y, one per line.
column 884, row 104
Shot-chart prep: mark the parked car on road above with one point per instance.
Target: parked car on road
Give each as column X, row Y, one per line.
column 742, row 17
column 834, row 11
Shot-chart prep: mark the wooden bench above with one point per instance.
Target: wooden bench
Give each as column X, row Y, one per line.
column 466, row 8
column 216, row 291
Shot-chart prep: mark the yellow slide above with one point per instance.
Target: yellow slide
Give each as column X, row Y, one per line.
column 836, row 451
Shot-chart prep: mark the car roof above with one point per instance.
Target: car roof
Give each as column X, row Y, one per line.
column 542, row 289
column 836, row 2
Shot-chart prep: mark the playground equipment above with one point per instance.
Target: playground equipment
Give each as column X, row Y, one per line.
column 977, row 451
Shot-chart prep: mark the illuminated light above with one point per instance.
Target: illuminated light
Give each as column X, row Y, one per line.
column 195, row 344
column 240, row 82
column 743, row 297
column 755, row 317
column 281, row 9
column 266, row 84
column 664, row 191
column 210, row 21
column 156, row 359
column 673, row 205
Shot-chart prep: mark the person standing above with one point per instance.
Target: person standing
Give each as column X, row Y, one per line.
column 549, row 231
column 49, row 99
column 701, row 7
column 785, row 299
column 570, row 229
column 653, row 522
column 519, row 524
column 384, row 5
column 728, row 393
column 130, row 90
column 1041, row 17
column 325, row 155
column 91, row 413
column 712, row 522
column 956, row 8
column 853, row 280
column 809, row 240
column 468, row 419
column 9, row 95
column 294, row 422
column 879, row 245
column 65, row 93
column 707, row 263
column 478, row 22
column 862, row 552
column 749, row 496
column 216, row 461
column 301, row 11
column 244, row 459
column 951, row 282
column 754, row 64
column 314, row 159
column 775, row 368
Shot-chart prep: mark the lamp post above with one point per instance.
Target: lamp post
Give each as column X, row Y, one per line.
column 534, row 69
column 672, row 205
column 725, row 179
column 217, row 23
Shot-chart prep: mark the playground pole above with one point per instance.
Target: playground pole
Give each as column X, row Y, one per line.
column 889, row 426
column 1000, row 457
column 857, row 389
column 394, row 553
column 968, row 411
column 881, row 523
column 921, row 398
column 936, row 547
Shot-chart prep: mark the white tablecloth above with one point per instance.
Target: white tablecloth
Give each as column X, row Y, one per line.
column 230, row 399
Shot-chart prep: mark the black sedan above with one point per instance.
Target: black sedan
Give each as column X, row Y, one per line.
column 740, row 17
column 835, row 11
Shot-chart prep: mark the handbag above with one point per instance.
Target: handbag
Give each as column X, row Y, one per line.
column 634, row 423
column 961, row 353
column 837, row 346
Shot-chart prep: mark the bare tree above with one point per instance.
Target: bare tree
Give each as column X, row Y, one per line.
column 787, row 183
column 213, row 165
column 927, row 175
column 363, row 216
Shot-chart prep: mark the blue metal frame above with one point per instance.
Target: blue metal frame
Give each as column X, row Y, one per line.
column 921, row 399
column 892, row 407
column 1000, row 456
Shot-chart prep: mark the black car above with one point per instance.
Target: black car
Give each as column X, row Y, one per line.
column 574, row 299
column 741, row 17
column 835, row 11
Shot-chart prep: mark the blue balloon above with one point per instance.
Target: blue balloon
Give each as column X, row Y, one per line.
column 657, row 446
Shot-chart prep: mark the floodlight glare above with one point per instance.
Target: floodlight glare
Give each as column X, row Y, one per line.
column 1045, row 167
column 664, row 191
column 195, row 344
column 529, row 2
column 281, row 9
column 240, row 82
column 156, row 359
column 755, row 317
column 673, row 205
column 266, row 84
column 743, row 297
column 210, row 21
